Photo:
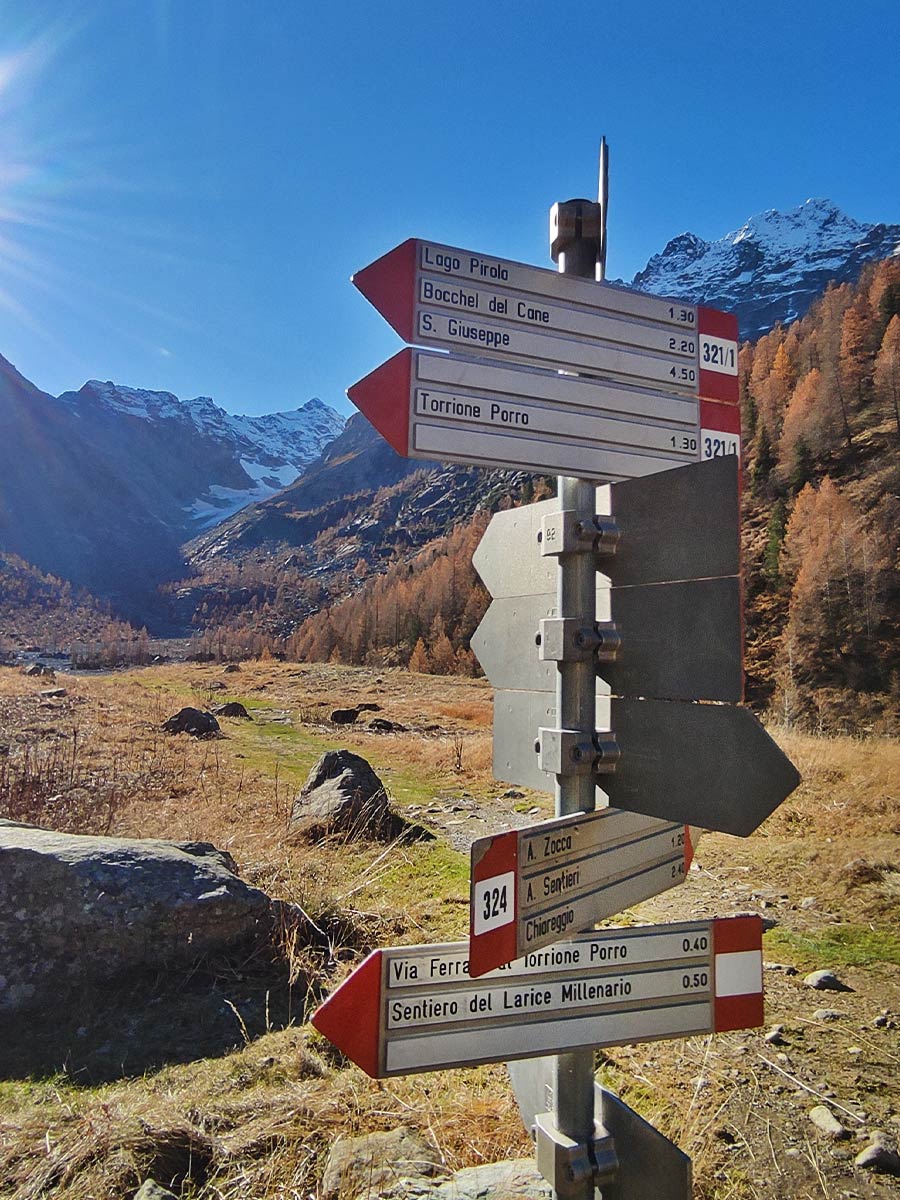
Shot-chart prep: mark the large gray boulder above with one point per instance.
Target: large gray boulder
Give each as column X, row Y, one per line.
column 195, row 721
column 402, row 1164
column 343, row 795
column 79, row 911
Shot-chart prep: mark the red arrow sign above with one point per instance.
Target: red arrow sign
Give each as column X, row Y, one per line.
column 415, row 1008
column 455, row 299
column 533, row 887
column 389, row 285
column 441, row 407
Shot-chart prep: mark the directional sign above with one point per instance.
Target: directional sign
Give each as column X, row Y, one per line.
column 675, row 593
column 442, row 296
column 415, row 1008
column 441, row 406
column 677, row 613
column 711, row 765
column 532, row 887
column 680, row 524
column 678, row 641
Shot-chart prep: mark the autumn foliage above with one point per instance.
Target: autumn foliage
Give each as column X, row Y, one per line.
column 821, row 429
column 420, row 613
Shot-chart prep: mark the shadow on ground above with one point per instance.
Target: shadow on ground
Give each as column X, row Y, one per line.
column 147, row 1022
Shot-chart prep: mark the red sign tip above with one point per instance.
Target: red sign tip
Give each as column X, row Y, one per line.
column 349, row 1018
column 383, row 397
column 389, row 285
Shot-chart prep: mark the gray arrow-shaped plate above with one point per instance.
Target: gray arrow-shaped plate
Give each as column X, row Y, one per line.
column 711, row 765
column 680, row 641
column 679, row 524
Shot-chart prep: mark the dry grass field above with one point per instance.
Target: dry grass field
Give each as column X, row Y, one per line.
column 255, row 1122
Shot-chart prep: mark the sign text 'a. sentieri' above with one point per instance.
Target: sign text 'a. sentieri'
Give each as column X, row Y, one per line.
column 416, row 1008
column 533, row 887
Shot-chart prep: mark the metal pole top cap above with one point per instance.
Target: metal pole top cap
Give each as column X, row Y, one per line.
column 574, row 221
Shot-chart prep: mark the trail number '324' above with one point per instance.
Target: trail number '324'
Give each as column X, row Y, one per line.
column 496, row 903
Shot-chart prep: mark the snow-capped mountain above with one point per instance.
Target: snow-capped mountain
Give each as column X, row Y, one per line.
column 236, row 460
column 773, row 267
column 103, row 486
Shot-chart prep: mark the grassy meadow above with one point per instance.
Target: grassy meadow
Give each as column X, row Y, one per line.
column 257, row 1121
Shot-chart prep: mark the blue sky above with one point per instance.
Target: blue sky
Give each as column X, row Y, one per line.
column 187, row 185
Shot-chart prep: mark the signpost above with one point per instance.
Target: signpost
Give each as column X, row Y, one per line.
column 658, row 384
column 533, row 886
column 416, row 1008
column 441, row 406
column 614, row 643
column 669, row 611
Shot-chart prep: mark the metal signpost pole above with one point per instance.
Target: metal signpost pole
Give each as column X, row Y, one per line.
column 577, row 248
column 560, row 371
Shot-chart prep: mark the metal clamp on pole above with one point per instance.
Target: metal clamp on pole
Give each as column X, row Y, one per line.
column 569, row 752
column 606, row 753
column 566, row 639
column 568, row 533
column 569, row 1165
column 565, row 752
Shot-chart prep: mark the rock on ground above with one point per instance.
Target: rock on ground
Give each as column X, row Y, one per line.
column 364, row 1165
column 77, row 910
column 151, row 1190
column 826, row 981
column 343, row 795
column 344, row 716
column 401, row 1164
column 192, row 721
column 233, row 708
column 826, row 1122
column 879, row 1156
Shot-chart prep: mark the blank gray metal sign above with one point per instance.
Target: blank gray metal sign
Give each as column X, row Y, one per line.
column 711, row 765
column 650, row 1167
column 680, row 641
column 681, row 524
column 677, row 524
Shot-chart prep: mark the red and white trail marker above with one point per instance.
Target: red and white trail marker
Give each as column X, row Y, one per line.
column 546, row 372
column 416, row 1008
column 533, row 887
column 435, row 295
column 485, row 413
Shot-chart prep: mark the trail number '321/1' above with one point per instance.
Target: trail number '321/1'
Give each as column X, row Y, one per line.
column 718, row 446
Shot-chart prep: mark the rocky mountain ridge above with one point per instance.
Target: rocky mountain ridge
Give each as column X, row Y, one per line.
column 773, row 267
column 251, row 457
column 101, row 487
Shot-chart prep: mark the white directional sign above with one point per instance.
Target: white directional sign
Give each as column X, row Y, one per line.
column 416, row 1008
column 549, row 372
column 441, row 406
column 443, row 296
column 532, row 887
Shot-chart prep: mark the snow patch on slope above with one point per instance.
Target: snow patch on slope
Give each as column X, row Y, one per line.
column 269, row 451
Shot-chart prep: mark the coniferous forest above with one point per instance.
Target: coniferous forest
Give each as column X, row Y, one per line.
column 820, row 404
